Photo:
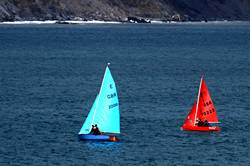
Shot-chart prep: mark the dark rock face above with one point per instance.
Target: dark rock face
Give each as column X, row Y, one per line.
column 214, row 9
column 121, row 10
column 137, row 20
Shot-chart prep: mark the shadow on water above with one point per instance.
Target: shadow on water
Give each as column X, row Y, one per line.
column 102, row 145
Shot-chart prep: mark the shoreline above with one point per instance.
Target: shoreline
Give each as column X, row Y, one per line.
column 113, row 22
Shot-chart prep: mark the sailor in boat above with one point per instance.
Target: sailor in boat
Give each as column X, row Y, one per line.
column 95, row 130
column 205, row 123
column 199, row 123
column 202, row 124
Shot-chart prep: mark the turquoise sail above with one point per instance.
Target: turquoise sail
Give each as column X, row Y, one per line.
column 87, row 125
column 105, row 110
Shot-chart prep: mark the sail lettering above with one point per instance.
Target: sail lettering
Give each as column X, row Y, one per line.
column 207, row 103
column 111, row 95
column 113, row 105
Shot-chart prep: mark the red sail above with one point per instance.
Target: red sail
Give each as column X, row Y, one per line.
column 206, row 109
column 190, row 118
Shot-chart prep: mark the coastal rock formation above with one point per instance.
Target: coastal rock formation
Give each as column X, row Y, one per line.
column 121, row 10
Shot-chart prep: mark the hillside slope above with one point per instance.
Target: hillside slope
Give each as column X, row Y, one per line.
column 119, row 10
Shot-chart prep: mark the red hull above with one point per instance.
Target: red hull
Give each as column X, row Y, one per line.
column 197, row 128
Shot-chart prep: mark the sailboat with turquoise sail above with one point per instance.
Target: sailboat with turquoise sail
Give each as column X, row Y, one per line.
column 104, row 112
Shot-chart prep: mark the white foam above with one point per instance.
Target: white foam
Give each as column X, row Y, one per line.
column 115, row 22
column 157, row 22
column 103, row 22
column 30, row 22
column 92, row 22
column 55, row 21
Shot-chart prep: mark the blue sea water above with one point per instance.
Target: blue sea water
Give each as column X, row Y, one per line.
column 50, row 75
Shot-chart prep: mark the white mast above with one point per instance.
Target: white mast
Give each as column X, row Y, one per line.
column 198, row 99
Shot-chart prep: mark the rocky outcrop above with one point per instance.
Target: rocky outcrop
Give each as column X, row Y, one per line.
column 121, row 10
column 7, row 11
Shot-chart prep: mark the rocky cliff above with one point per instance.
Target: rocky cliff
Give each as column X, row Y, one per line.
column 120, row 10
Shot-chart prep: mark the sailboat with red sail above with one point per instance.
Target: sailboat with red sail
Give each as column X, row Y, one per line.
column 203, row 112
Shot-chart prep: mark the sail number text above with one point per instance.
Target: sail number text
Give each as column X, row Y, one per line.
column 113, row 105
column 110, row 96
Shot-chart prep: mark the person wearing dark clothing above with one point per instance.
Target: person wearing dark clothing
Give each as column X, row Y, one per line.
column 95, row 130
column 92, row 129
column 205, row 123
column 200, row 123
